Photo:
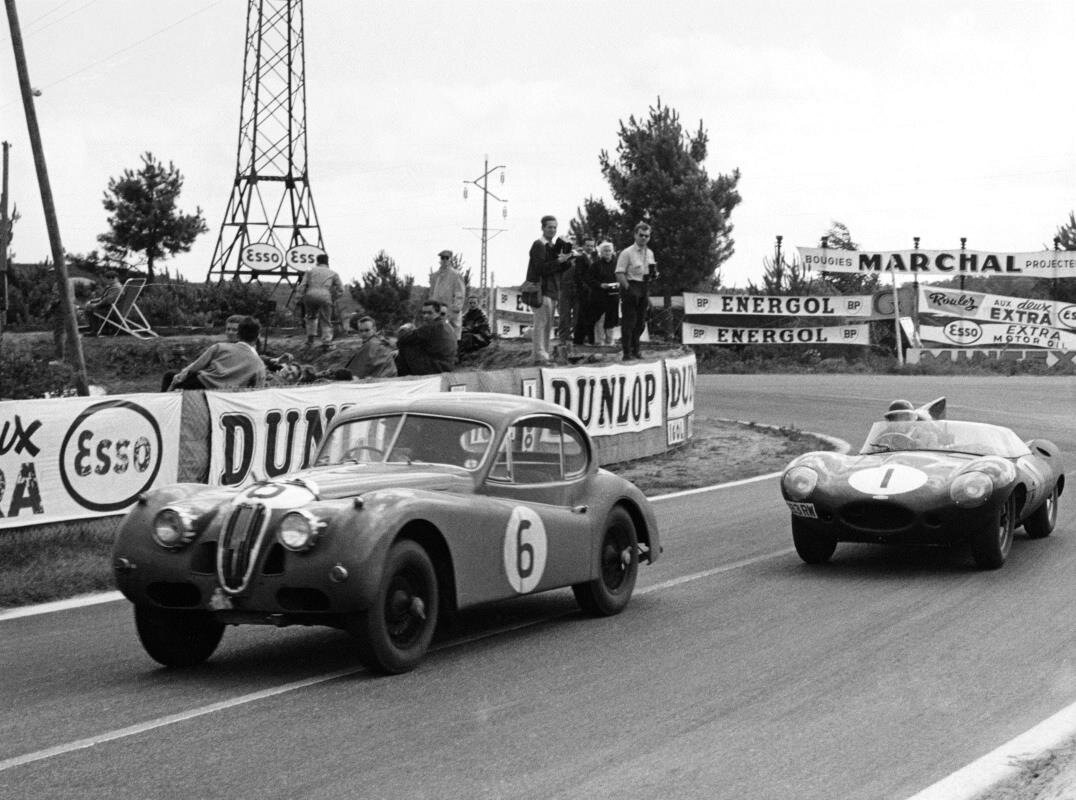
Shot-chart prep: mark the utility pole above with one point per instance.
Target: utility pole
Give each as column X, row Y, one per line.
column 482, row 182
column 5, row 241
column 60, row 264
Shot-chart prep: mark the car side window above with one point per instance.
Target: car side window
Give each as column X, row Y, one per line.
column 575, row 451
column 536, row 450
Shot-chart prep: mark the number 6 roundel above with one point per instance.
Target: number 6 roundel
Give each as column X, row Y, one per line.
column 525, row 549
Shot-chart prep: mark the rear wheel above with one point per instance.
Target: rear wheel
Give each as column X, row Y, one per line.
column 812, row 547
column 618, row 568
column 1041, row 523
column 991, row 544
column 395, row 632
column 177, row 638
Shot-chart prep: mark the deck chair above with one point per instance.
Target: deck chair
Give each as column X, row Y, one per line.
column 124, row 314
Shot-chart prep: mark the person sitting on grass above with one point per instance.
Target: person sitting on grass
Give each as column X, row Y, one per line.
column 429, row 348
column 224, row 365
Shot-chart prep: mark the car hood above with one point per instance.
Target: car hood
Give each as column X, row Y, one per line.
column 348, row 480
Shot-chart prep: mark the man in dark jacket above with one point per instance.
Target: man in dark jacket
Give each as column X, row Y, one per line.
column 428, row 349
column 475, row 333
column 549, row 256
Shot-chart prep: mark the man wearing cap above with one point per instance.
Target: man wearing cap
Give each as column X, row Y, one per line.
column 446, row 287
column 318, row 290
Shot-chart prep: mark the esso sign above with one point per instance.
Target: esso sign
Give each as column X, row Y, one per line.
column 1067, row 316
column 302, row 257
column 963, row 331
column 261, row 257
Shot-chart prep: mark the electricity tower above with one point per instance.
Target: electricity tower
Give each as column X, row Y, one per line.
column 270, row 226
column 482, row 182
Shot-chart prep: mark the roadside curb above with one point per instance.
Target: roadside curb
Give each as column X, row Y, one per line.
column 835, row 444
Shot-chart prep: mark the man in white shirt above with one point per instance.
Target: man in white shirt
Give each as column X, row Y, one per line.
column 635, row 267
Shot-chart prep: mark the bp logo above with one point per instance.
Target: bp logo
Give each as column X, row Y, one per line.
column 963, row 331
column 110, row 455
column 525, row 549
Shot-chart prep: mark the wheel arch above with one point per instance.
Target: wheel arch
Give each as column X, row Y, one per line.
column 429, row 537
column 642, row 530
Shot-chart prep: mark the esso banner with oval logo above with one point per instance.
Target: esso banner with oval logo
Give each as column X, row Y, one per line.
column 302, row 257
column 79, row 457
column 261, row 257
column 940, row 302
column 968, row 333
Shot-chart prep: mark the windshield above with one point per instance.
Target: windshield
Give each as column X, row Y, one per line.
column 407, row 438
column 955, row 436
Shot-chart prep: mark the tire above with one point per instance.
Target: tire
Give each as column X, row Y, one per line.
column 1041, row 523
column 395, row 632
column 177, row 638
column 991, row 544
column 812, row 547
column 618, row 556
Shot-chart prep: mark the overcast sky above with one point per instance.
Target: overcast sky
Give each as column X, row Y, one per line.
column 935, row 119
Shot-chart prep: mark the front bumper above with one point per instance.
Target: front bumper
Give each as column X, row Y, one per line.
column 888, row 522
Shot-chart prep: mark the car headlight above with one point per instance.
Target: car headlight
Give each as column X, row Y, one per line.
column 299, row 530
column 971, row 489
column 799, row 482
column 173, row 528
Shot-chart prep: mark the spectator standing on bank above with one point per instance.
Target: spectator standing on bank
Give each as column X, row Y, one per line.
column 475, row 333
column 589, row 295
column 224, row 365
column 572, row 299
column 446, row 287
column 549, row 257
column 634, row 269
column 318, row 291
column 426, row 349
column 607, row 303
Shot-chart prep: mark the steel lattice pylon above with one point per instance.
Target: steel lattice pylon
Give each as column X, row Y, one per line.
column 270, row 204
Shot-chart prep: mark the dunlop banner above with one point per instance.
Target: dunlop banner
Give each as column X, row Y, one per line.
column 858, row 333
column 680, row 376
column 969, row 333
column 778, row 306
column 996, row 308
column 1041, row 264
column 259, row 435
column 622, row 398
column 80, row 457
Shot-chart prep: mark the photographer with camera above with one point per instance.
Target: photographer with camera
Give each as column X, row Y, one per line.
column 548, row 258
column 635, row 268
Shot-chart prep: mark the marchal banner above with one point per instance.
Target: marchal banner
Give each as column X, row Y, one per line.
column 1041, row 264
column 858, row 334
column 779, row 306
column 259, row 435
column 616, row 399
column 996, row 308
column 80, row 457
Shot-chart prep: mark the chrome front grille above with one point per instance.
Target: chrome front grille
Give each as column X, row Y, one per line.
column 241, row 540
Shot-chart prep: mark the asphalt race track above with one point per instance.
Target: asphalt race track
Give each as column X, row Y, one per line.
column 736, row 672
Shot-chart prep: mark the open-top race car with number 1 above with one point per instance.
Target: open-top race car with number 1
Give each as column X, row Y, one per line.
column 921, row 479
column 411, row 509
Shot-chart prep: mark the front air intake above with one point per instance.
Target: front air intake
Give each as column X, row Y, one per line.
column 241, row 540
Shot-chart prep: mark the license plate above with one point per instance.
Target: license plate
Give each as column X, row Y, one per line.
column 219, row 601
column 802, row 509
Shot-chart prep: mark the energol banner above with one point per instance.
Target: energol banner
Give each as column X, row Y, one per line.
column 616, row 399
column 779, row 306
column 80, row 457
column 510, row 298
column 258, row 435
column 858, row 333
column 1041, row 264
column 996, row 308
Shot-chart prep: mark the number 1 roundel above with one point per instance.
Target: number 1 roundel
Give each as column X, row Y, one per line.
column 890, row 479
column 525, row 549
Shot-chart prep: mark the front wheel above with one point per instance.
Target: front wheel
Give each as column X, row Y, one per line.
column 812, row 547
column 991, row 544
column 618, row 568
column 395, row 632
column 1041, row 523
column 177, row 638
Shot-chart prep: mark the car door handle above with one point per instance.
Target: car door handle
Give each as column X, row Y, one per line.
column 579, row 509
